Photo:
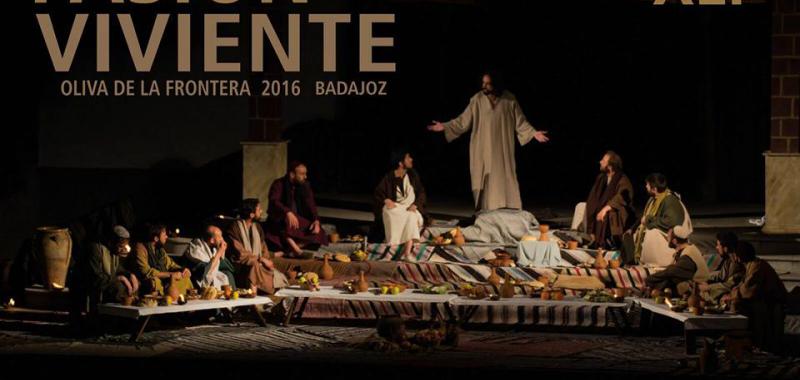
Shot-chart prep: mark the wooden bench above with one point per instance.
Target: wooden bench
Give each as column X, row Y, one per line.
column 696, row 325
column 142, row 314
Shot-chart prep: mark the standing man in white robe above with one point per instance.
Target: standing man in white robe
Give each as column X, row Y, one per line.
column 400, row 202
column 495, row 118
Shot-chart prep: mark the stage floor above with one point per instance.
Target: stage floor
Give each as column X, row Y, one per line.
column 313, row 350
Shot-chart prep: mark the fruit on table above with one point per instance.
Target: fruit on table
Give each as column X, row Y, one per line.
column 210, row 293
column 341, row 257
column 395, row 290
column 235, row 295
column 384, row 289
column 359, row 255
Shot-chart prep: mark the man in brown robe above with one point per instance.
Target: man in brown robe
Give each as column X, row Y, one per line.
column 760, row 296
column 253, row 262
column 495, row 118
column 730, row 271
column 293, row 221
column 609, row 210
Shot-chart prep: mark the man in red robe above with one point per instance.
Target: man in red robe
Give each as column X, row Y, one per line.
column 293, row 221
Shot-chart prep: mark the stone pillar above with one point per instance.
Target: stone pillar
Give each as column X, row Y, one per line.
column 782, row 193
column 262, row 163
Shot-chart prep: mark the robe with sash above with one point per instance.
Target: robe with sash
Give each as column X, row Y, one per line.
column 662, row 212
column 248, row 247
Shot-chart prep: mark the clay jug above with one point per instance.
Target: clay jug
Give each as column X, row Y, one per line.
column 53, row 251
column 694, row 300
column 458, row 237
column 327, row 270
column 493, row 279
column 600, row 260
column 363, row 285
column 174, row 291
column 543, row 229
column 508, row 287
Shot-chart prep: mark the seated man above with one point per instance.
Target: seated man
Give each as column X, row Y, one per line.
column 156, row 269
column 293, row 221
column 688, row 266
column 109, row 279
column 760, row 296
column 609, row 207
column 399, row 203
column 664, row 210
column 254, row 268
column 730, row 271
column 211, row 267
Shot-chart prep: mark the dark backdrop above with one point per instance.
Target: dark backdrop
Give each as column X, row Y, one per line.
column 677, row 89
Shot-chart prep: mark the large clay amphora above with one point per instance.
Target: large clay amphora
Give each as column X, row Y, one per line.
column 53, row 249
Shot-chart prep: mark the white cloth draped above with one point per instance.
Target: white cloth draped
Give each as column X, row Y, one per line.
column 200, row 252
column 400, row 224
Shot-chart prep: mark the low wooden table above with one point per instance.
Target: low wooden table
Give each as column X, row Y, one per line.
column 696, row 325
column 470, row 306
column 142, row 315
column 301, row 297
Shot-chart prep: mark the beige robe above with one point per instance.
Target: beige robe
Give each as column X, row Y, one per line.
column 493, row 170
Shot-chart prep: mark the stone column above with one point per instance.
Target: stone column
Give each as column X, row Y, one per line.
column 782, row 193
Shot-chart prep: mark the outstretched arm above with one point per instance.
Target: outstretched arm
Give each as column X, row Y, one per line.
column 458, row 126
column 525, row 131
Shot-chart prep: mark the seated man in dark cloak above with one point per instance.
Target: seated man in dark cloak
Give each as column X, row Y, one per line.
column 760, row 296
column 292, row 218
column 609, row 207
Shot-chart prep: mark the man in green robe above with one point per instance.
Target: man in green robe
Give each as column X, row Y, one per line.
column 664, row 211
column 109, row 279
column 156, row 269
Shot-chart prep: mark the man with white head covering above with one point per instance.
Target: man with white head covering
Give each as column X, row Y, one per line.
column 688, row 266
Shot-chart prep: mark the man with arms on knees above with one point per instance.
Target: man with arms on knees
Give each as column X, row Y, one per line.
column 293, row 221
